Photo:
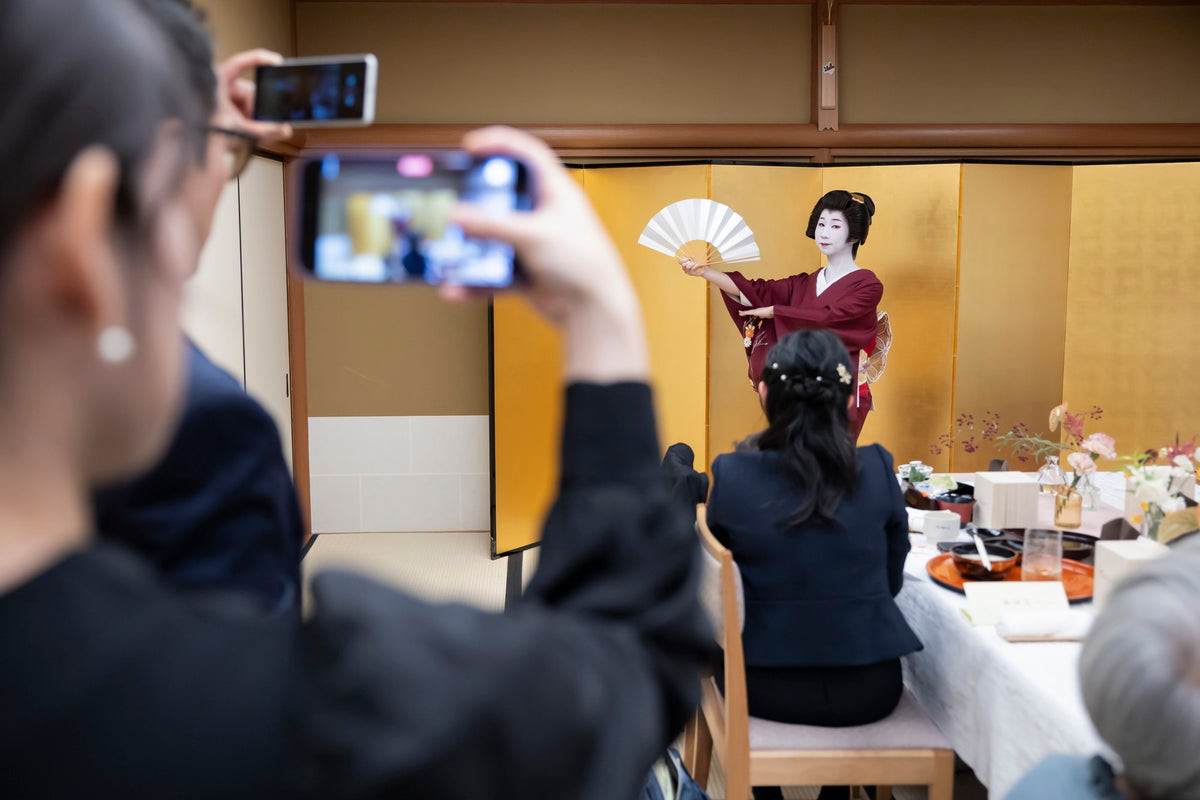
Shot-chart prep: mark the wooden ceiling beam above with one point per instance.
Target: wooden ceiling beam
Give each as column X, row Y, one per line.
column 610, row 138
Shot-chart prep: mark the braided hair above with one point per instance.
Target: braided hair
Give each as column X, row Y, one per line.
column 857, row 207
column 809, row 382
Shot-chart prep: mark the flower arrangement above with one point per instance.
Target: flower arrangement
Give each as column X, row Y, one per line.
column 1158, row 487
column 1084, row 450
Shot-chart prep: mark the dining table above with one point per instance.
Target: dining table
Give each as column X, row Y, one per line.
column 1004, row 706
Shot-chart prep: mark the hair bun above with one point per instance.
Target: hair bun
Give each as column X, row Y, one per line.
column 814, row 389
column 866, row 200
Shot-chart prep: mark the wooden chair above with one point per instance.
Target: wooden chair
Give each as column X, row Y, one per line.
column 906, row 748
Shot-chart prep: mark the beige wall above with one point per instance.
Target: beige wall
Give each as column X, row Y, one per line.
column 596, row 63
column 393, row 351
column 245, row 24
column 581, row 63
column 1073, row 64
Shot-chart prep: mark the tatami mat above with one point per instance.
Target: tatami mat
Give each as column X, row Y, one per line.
column 435, row 566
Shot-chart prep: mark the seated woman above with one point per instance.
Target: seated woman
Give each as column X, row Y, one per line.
column 820, row 533
column 112, row 683
column 1140, row 674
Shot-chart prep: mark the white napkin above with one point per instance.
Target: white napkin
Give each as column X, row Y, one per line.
column 1045, row 626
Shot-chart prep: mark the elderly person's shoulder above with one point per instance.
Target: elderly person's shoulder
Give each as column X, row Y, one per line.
column 1064, row 777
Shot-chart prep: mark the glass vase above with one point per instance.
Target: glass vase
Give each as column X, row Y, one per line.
column 1068, row 508
column 1050, row 476
column 1151, row 517
column 1090, row 492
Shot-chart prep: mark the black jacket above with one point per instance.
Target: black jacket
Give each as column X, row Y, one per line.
column 112, row 685
column 816, row 595
column 219, row 511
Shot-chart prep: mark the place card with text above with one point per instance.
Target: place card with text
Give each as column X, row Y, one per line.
column 987, row 601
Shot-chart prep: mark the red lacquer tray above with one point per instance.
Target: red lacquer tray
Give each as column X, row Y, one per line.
column 1077, row 578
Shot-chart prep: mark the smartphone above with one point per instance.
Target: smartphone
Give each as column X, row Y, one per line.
column 319, row 91
column 385, row 219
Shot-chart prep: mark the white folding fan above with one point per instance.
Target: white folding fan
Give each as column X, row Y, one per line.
column 871, row 368
column 729, row 238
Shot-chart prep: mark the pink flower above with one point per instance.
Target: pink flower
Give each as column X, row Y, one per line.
column 1187, row 448
column 1082, row 463
column 1073, row 425
column 1056, row 415
column 1101, row 444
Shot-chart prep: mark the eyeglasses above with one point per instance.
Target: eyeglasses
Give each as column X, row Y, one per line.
column 241, row 148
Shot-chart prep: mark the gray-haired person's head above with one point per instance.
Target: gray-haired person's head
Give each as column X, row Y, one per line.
column 1141, row 675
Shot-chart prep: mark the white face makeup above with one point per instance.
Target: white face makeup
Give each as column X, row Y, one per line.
column 832, row 233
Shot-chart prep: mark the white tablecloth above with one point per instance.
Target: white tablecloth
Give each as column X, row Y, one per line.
column 1003, row 706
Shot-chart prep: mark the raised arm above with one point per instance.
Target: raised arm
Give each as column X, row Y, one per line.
column 717, row 278
column 572, row 693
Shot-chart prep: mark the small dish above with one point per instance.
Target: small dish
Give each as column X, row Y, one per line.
column 970, row 565
column 1076, row 546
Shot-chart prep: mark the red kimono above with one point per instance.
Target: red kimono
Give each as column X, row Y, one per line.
column 848, row 308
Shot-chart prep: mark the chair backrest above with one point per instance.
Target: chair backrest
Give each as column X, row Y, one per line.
column 722, row 595
column 713, row 554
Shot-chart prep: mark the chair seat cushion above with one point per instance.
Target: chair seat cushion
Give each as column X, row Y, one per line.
column 906, row 728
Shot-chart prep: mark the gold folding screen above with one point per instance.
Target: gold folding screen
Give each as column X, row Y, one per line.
column 1012, row 301
column 1009, row 287
column 527, row 384
column 913, row 248
column 775, row 202
column 1133, row 301
column 673, row 305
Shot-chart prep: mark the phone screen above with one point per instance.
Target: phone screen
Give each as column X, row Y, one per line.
column 311, row 92
column 386, row 220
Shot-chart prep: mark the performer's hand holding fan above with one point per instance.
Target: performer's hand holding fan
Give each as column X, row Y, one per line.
column 705, row 231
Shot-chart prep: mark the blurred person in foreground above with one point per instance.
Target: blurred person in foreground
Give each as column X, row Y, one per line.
column 115, row 684
column 218, row 510
column 1140, row 674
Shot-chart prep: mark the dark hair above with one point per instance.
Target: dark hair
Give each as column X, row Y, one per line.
column 857, row 207
column 183, row 23
column 809, row 380
column 80, row 73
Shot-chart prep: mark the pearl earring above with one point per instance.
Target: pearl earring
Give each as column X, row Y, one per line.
column 115, row 345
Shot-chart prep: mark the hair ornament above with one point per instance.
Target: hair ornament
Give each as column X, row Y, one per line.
column 858, row 198
column 843, row 373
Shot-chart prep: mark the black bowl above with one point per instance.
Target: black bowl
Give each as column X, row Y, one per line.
column 970, row 565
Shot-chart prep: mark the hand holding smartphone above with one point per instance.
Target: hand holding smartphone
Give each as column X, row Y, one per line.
column 318, row 91
column 387, row 219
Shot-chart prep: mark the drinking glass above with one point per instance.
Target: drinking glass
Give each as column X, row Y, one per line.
column 1041, row 557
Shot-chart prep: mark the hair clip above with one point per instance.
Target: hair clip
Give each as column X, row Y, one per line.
column 858, row 198
column 843, row 373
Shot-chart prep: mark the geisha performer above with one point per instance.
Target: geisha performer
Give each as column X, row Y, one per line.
column 842, row 297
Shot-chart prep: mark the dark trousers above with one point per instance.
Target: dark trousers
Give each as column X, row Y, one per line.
column 832, row 697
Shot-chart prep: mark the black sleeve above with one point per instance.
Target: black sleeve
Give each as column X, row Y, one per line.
column 572, row 693
column 219, row 511
column 897, row 525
